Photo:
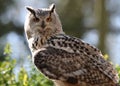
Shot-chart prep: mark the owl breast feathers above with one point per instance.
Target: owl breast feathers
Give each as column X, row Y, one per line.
column 67, row 60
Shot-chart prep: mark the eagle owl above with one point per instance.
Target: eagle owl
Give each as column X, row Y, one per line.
column 66, row 60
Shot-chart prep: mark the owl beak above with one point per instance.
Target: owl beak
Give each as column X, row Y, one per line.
column 43, row 24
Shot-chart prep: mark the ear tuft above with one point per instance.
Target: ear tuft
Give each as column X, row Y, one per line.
column 30, row 9
column 52, row 7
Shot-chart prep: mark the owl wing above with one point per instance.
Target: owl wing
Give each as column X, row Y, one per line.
column 74, row 67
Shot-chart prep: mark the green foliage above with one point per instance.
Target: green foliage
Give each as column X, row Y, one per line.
column 118, row 70
column 33, row 78
column 8, row 78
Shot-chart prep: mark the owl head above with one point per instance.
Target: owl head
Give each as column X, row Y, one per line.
column 42, row 21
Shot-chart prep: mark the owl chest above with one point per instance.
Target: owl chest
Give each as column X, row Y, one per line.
column 36, row 43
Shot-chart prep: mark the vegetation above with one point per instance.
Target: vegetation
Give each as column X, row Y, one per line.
column 8, row 78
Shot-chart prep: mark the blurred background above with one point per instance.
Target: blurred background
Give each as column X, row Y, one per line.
column 95, row 21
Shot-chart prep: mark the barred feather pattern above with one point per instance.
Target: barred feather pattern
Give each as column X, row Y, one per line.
column 72, row 62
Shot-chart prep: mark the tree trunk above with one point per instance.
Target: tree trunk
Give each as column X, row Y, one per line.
column 102, row 23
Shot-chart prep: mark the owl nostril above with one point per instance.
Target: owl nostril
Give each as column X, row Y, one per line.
column 43, row 24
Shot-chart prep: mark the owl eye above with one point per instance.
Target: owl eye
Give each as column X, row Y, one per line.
column 49, row 19
column 36, row 19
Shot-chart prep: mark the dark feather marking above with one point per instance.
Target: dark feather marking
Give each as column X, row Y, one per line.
column 53, row 43
column 72, row 80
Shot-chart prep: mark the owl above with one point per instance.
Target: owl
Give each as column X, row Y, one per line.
column 66, row 60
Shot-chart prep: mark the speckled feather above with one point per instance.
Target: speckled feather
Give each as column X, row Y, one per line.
column 71, row 60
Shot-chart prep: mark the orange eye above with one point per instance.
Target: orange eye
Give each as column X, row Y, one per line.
column 49, row 19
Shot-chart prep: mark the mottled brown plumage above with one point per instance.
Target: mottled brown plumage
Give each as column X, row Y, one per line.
column 67, row 60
